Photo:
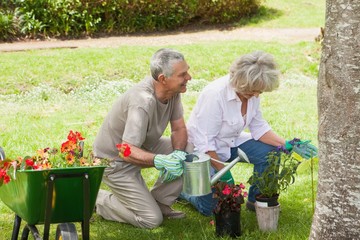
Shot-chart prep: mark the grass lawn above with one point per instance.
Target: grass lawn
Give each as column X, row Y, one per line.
column 290, row 14
column 45, row 93
column 60, row 97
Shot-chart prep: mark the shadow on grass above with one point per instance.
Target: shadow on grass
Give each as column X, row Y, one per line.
column 194, row 226
column 264, row 14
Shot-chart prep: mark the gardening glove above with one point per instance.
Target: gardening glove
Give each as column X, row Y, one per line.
column 180, row 155
column 166, row 176
column 227, row 177
column 170, row 167
column 301, row 149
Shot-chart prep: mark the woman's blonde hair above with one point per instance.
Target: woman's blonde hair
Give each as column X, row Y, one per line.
column 254, row 72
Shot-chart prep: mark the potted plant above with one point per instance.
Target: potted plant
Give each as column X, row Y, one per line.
column 277, row 177
column 227, row 210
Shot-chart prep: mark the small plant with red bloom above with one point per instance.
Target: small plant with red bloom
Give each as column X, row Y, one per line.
column 70, row 155
column 230, row 197
column 124, row 149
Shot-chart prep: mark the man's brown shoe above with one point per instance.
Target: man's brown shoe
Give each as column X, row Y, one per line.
column 170, row 213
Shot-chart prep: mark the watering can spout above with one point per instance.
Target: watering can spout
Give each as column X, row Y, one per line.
column 219, row 174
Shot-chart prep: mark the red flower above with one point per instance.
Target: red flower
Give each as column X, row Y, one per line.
column 127, row 151
column 237, row 193
column 29, row 162
column 230, row 197
column 71, row 136
column 4, row 176
column 124, row 149
column 75, row 136
column 2, row 173
column 226, row 190
column 68, row 146
column 79, row 137
column 6, row 179
column 6, row 165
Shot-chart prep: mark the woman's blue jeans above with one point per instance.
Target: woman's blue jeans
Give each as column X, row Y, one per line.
column 256, row 152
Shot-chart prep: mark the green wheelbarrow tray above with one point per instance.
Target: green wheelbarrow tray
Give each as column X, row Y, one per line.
column 27, row 195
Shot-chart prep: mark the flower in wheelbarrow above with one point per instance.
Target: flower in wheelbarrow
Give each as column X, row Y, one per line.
column 41, row 160
column 72, row 148
column 230, row 197
column 124, row 149
column 70, row 155
column 30, row 163
column 5, row 166
column 72, row 152
column 4, row 177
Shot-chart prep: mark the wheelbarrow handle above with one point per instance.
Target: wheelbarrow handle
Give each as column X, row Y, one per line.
column 2, row 154
column 81, row 144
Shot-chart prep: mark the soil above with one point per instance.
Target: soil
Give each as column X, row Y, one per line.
column 286, row 35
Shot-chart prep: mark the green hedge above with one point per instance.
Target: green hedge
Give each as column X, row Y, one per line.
column 219, row 11
column 78, row 18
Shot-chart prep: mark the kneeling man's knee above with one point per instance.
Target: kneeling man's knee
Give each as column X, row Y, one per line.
column 151, row 222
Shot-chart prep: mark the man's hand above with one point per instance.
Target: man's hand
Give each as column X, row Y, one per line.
column 301, row 148
column 170, row 166
column 166, row 176
column 178, row 154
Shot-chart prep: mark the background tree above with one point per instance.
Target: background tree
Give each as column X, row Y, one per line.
column 337, row 214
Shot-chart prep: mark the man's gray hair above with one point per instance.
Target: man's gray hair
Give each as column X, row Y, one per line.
column 162, row 62
column 254, row 72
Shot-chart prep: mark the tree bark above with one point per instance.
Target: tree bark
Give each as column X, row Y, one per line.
column 337, row 213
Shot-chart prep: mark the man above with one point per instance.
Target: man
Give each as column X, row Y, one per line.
column 139, row 118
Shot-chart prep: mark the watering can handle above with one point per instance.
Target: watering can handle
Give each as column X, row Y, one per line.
column 217, row 176
column 2, row 154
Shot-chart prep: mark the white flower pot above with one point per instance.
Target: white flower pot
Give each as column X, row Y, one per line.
column 267, row 217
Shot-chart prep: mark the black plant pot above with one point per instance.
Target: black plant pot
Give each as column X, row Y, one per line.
column 228, row 223
column 271, row 201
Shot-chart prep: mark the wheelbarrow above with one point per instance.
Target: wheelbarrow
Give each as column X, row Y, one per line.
column 61, row 195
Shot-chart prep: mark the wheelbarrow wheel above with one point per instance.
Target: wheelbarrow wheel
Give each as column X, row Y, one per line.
column 66, row 231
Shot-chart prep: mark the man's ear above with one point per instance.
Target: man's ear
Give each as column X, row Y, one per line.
column 162, row 78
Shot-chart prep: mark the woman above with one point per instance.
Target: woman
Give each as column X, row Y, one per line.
column 225, row 108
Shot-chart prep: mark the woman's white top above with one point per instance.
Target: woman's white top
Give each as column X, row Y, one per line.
column 216, row 123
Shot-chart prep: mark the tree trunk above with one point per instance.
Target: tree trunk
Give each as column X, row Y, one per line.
column 337, row 214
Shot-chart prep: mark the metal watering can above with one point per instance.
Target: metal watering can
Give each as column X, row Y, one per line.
column 196, row 177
